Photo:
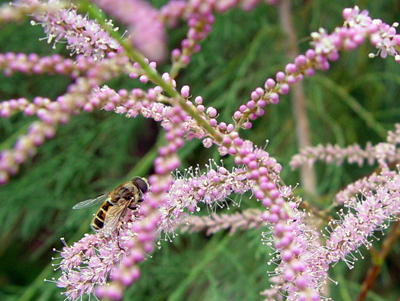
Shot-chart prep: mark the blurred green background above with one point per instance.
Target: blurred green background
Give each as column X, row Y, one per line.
column 95, row 152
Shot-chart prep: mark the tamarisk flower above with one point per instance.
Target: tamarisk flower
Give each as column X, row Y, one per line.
column 212, row 188
column 86, row 263
column 326, row 47
column 382, row 153
column 304, row 65
column 353, row 154
column 301, row 261
column 247, row 219
column 87, row 72
column 382, row 36
column 89, row 263
column 51, row 113
column 82, row 35
column 55, row 113
column 263, row 171
column 373, row 210
column 282, row 218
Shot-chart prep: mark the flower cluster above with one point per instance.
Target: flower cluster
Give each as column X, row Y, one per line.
column 247, row 219
column 96, row 258
column 83, row 36
column 301, row 269
column 212, row 188
column 373, row 210
column 382, row 153
column 106, row 266
column 50, row 113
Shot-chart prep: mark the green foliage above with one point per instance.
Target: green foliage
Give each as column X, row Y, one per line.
column 95, row 152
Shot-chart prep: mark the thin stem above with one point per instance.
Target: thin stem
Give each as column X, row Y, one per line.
column 379, row 259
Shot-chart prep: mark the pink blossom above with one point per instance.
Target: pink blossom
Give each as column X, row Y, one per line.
column 103, row 266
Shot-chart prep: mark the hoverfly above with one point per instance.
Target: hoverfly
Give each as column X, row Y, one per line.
column 127, row 195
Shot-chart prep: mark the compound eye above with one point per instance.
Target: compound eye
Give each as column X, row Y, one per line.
column 141, row 183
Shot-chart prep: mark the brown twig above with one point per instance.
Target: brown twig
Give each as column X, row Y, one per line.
column 379, row 259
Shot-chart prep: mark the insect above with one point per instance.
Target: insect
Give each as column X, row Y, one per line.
column 127, row 195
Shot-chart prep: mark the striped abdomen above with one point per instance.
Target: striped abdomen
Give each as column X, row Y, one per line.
column 98, row 220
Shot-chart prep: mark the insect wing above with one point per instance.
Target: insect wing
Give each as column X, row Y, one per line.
column 90, row 202
column 113, row 217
